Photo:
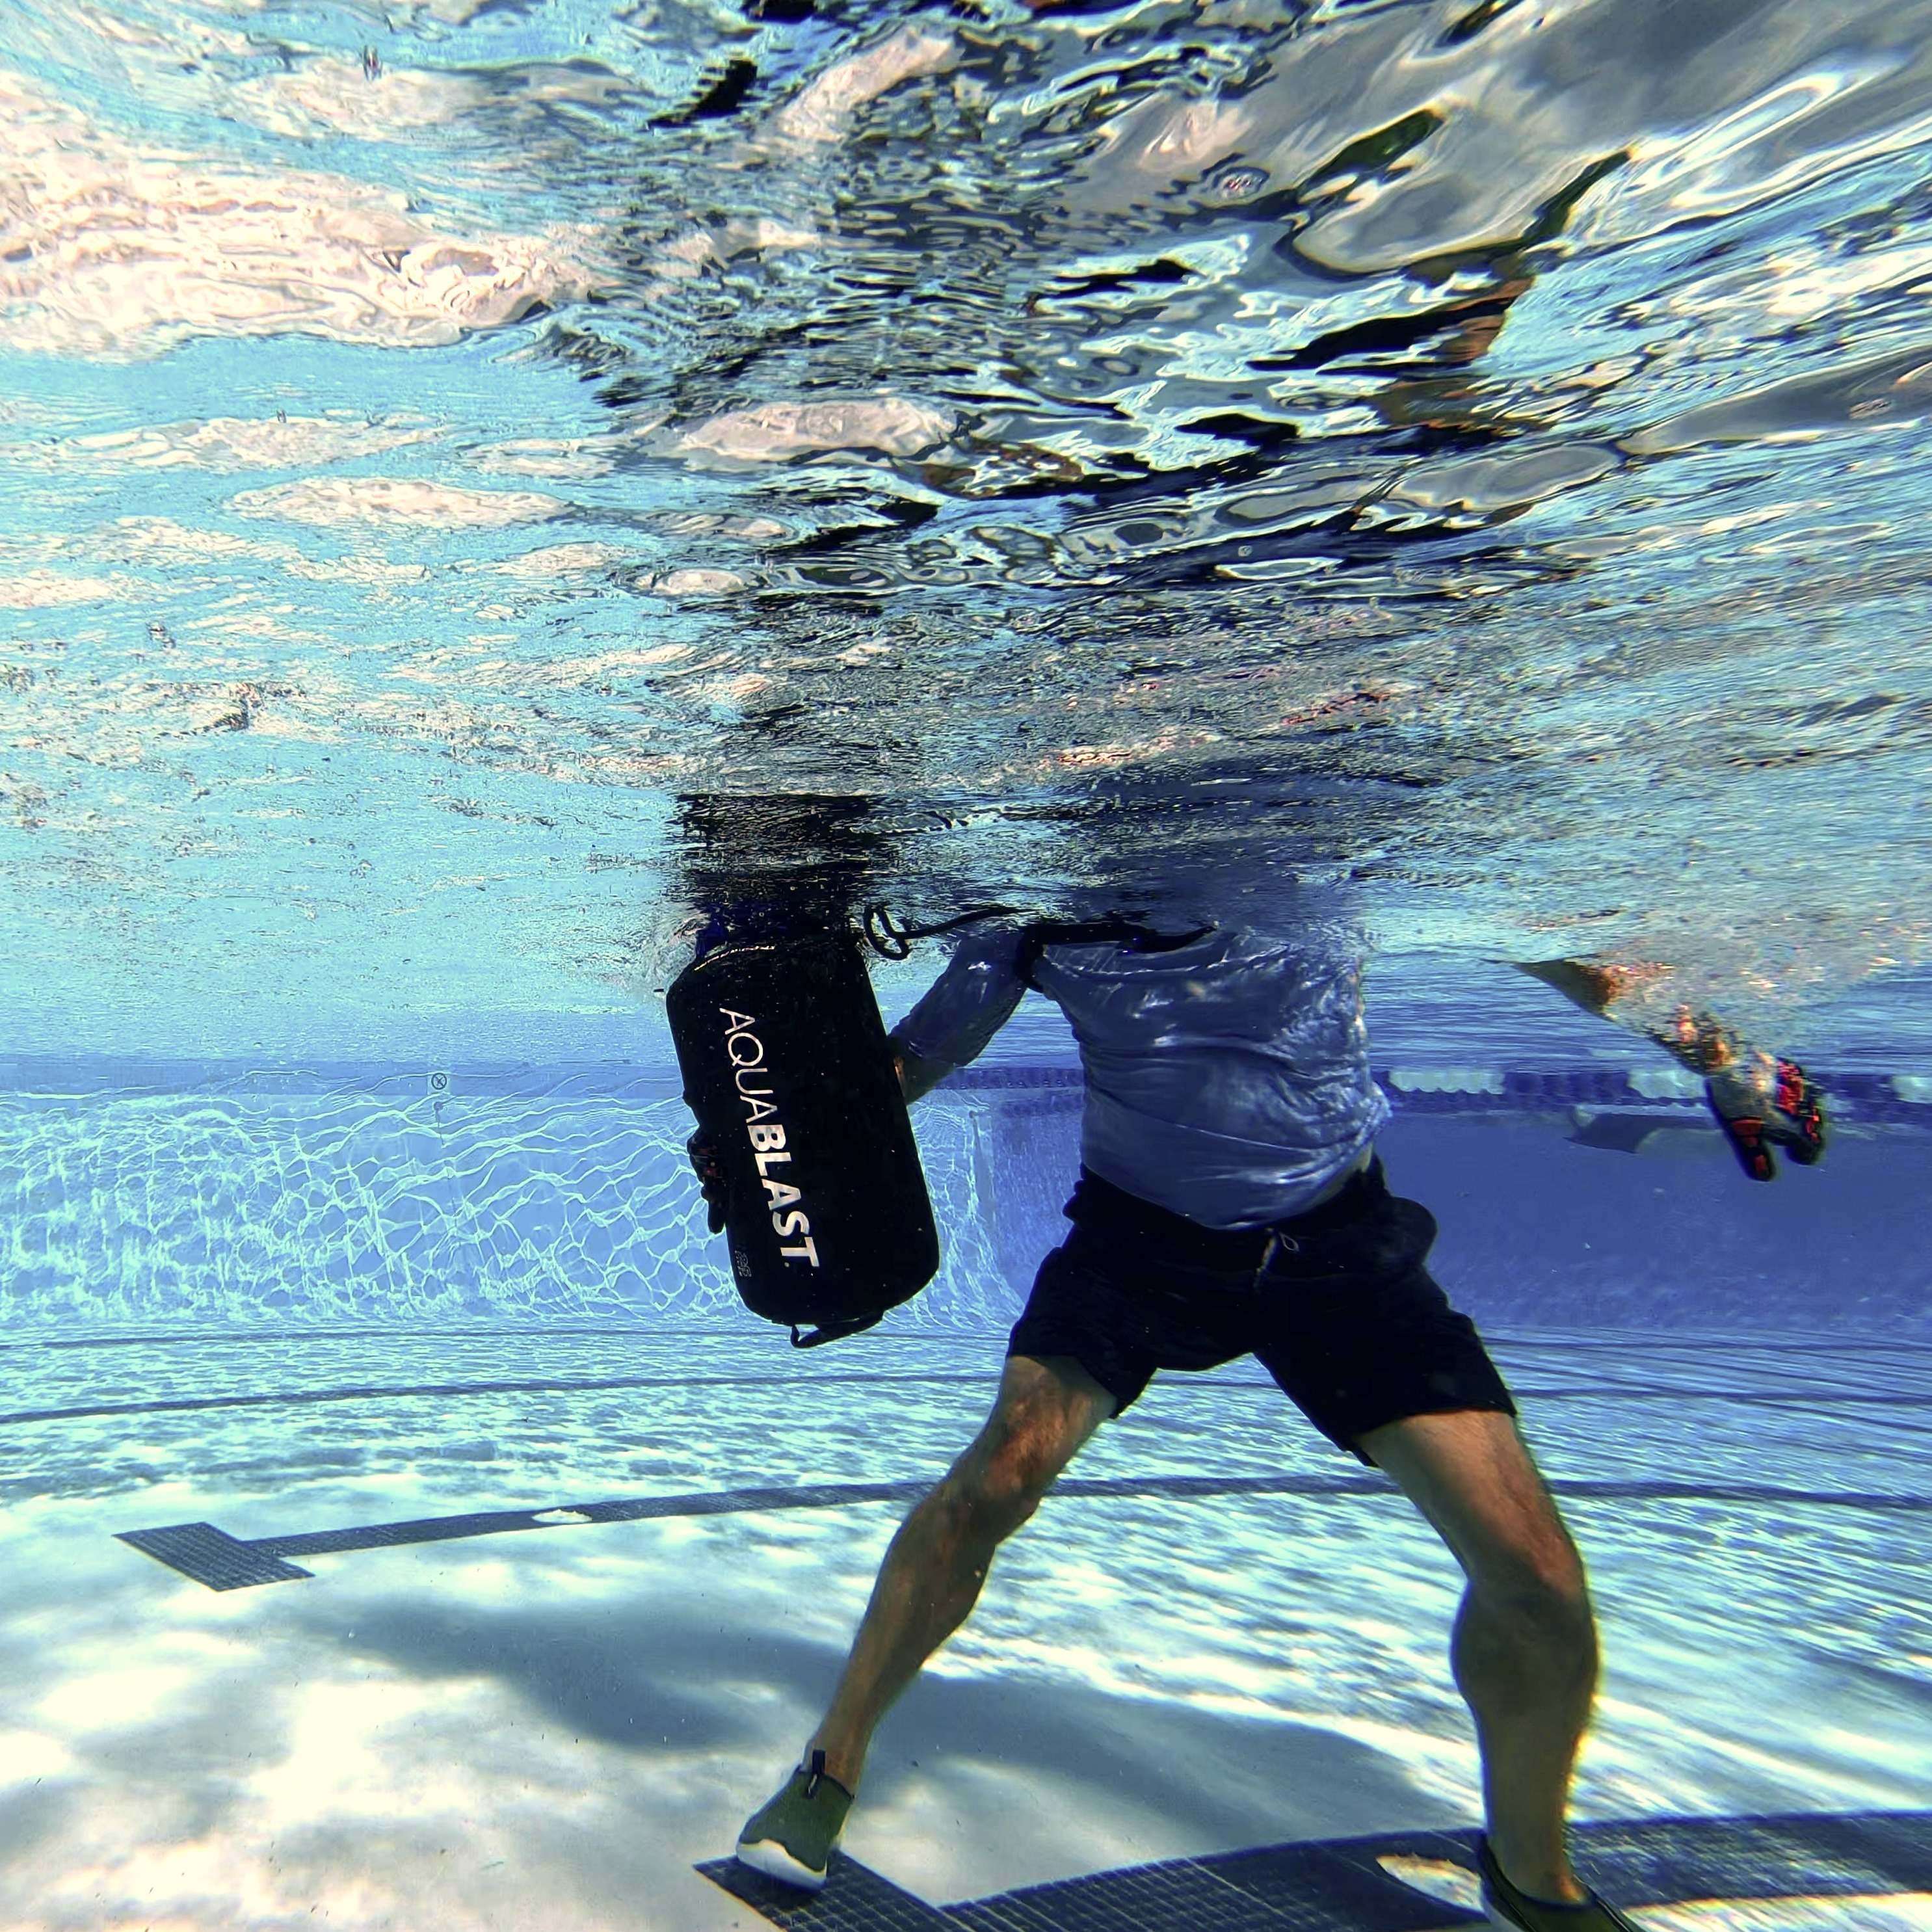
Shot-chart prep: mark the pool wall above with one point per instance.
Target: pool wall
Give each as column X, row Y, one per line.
column 214, row 1199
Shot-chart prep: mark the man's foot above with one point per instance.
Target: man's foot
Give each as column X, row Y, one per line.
column 791, row 1838
column 1518, row 1912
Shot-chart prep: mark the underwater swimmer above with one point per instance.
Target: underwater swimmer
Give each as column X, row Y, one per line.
column 1230, row 1202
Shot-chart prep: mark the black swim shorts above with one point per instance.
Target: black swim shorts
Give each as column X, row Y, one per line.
column 1337, row 1307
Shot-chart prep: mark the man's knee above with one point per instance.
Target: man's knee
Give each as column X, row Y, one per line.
column 1001, row 1481
column 991, row 1509
column 1538, row 1588
column 1046, row 1410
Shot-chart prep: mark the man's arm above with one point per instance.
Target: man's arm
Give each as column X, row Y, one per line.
column 1759, row 1100
column 955, row 1021
column 917, row 1077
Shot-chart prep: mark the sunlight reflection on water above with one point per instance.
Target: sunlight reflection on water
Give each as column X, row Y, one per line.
column 1484, row 438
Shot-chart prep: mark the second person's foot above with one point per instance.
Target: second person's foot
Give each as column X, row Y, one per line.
column 791, row 1837
column 1517, row 1911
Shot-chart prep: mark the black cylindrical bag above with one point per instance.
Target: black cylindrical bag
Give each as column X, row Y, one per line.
column 786, row 1066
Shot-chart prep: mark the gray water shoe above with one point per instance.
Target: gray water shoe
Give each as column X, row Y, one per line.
column 791, row 1838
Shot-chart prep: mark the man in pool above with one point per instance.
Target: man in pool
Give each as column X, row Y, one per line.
column 1230, row 1202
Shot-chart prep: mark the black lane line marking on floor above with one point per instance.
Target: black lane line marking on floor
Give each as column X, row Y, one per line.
column 672, row 1330
column 1643, row 1341
column 790, row 1386
column 1340, row 1885
column 375, row 1391
column 210, row 1556
column 1632, row 1341
column 669, row 1334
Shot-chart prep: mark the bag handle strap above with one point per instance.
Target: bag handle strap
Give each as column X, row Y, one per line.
column 892, row 940
column 834, row 1331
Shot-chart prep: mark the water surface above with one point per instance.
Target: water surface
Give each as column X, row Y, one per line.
column 1468, row 449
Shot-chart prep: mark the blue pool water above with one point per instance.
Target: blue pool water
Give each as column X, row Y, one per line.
column 482, row 480
column 1475, row 448
column 313, row 1200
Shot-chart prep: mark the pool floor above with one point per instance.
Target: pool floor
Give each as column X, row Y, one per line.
column 479, row 1708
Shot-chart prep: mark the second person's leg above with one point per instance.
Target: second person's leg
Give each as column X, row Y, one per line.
column 1524, row 1648
column 936, row 1565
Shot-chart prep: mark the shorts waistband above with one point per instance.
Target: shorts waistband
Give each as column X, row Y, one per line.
column 1100, row 1208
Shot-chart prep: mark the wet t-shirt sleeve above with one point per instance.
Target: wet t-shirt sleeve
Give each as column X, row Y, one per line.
column 968, row 1003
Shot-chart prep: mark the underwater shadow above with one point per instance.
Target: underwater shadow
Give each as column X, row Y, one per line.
column 691, row 1686
column 33, row 1821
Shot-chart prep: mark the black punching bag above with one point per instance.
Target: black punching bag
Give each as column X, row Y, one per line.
column 786, row 1066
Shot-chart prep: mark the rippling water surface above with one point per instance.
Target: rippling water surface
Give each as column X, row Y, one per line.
column 1471, row 450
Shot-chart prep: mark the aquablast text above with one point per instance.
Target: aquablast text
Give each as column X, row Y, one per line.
column 767, row 1133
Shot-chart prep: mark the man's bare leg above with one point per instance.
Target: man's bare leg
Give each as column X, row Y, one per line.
column 1525, row 1648
column 933, row 1572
